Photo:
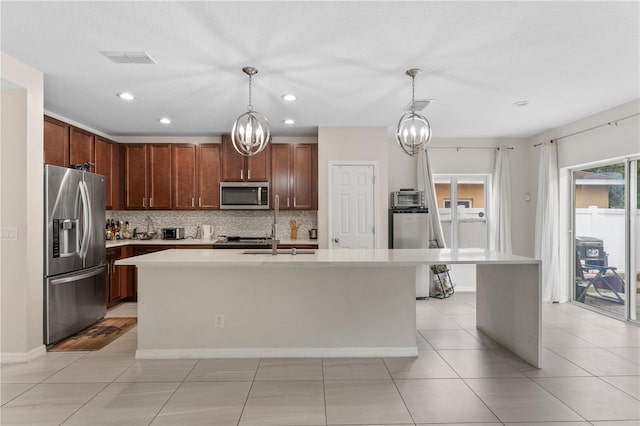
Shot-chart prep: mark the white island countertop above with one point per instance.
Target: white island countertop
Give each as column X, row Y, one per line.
column 335, row 257
column 332, row 303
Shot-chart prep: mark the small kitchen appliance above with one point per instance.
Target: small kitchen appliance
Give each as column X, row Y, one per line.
column 407, row 199
column 172, row 233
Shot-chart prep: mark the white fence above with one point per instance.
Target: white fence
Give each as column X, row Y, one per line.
column 609, row 226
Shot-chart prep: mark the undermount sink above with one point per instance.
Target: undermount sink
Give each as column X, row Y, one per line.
column 280, row 251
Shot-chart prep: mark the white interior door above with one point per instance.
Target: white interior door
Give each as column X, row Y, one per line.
column 352, row 212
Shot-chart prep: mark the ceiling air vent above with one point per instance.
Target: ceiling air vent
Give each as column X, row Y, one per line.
column 420, row 104
column 128, row 57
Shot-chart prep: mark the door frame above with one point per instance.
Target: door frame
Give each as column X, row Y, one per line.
column 376, row 199
column 630, row 248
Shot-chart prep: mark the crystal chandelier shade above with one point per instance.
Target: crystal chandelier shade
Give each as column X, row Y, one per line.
column 250, row 133
column 414, row 130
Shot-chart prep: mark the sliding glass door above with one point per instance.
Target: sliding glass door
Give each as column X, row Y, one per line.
column 606, row 220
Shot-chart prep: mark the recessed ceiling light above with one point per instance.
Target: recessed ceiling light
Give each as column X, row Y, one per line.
column 289, row 97
column 288, row 121
column 126, row 96
column 521, row 103
column 165, row 120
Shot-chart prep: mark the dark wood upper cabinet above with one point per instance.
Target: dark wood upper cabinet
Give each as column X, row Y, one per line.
column 294, row 175
column 106, row 164
column 196, row 176
column 208, row 171
column 159, row 176
column 81, row 147
column 135, row 168
column 56, row 142
column 184, row 176
column 238, row 168
column 281, row 174
column 148, row 176
column 304, row 180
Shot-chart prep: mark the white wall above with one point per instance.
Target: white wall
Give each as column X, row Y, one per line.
column 353, row 144
column 605, row 143
column 21, row 206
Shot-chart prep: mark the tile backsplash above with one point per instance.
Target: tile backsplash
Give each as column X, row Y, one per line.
column 248, row 223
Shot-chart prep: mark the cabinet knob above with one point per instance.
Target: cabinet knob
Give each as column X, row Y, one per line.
column 241, row 174
column 193, row 202
column 294, row 201
column 144, row 203
column 249, row 174
column 336, row 240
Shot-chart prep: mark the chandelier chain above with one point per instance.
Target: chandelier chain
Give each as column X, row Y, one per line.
column 249, row 107
column 413, row 94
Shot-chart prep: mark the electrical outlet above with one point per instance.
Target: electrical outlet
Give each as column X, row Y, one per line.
column 9, row 233
column 219, row 320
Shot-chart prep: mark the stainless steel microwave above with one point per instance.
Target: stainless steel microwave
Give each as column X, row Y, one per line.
column 244, row 195
column 407, row 198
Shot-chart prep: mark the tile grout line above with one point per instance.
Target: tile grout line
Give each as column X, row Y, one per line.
column 324, row 393
column 393, row 380
column 246, row 400
column 172, row 393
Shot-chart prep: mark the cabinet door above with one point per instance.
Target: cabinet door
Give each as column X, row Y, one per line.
column 281, row 175
column 56, row 142
column 184, row 176
column 115, row 293
column 135, row 191
column 233, row 163
column 104, row 152
column 302, row 181
column 159, row 176
column 80, row 147
column 259, row 166
column 209, row 176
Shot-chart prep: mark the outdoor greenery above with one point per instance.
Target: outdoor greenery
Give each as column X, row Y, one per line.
column 616, row 192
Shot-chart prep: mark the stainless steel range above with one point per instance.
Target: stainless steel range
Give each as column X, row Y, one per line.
column 235, row 242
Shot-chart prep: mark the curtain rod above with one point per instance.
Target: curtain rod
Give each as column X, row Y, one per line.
column 458, row 148
column 609, row 123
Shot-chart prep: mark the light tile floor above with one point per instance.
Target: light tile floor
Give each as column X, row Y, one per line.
column 461, row 377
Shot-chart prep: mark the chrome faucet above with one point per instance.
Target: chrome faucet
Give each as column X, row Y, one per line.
column 274, row 241
column 149, row 221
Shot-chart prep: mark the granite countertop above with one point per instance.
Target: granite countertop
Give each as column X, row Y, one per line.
column 193, row 241
column 324, row 257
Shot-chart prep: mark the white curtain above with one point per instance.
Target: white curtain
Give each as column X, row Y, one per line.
column 500, row 205
column 426, row 184
column 547, row 246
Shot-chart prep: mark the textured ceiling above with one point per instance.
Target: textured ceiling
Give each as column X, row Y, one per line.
column 345, row 61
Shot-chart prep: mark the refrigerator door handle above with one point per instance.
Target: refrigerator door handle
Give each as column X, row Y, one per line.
column 86, row 222
column 77, row 277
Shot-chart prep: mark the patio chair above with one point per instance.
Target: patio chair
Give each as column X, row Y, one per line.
column 604, row 280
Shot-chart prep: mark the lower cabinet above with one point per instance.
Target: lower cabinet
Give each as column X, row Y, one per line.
column 120, row 281
column 115, row 279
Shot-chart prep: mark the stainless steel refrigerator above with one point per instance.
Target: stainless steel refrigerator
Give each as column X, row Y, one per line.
column 74, row 252
column 409, row 229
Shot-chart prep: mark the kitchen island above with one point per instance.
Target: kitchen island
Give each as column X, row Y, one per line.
column 332, row 303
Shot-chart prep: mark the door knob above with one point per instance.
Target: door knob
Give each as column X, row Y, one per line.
column 336, row 240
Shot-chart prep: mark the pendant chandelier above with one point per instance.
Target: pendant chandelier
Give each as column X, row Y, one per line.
column 250, row 133
column 414, row 131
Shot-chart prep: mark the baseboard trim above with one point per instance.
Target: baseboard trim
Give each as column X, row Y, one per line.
column 20, row 357
column 366, row 352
